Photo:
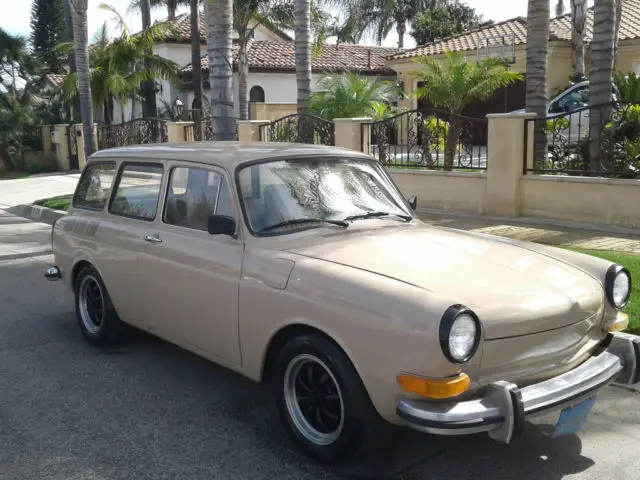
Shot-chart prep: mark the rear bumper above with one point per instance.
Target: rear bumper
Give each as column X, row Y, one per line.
column 52, row 273
column 504, row 409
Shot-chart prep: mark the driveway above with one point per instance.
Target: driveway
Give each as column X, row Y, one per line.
column 148, row 410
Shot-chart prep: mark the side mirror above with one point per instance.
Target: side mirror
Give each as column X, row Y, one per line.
column 221, row 225
column 413, row 202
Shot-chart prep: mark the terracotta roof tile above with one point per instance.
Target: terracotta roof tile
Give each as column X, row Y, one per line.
column 181, row 27
column 55, row 79
column 280, row 56
column 559, row 29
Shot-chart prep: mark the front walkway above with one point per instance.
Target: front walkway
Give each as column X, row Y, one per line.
column 539, row 231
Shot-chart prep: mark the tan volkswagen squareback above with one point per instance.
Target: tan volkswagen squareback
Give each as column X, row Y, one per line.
column 304, row 265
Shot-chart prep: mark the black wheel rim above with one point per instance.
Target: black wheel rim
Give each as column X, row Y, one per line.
column 91, row 304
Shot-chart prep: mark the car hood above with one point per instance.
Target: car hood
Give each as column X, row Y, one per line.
column 514, row 290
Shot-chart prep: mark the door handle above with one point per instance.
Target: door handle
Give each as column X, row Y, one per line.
column 152, row 239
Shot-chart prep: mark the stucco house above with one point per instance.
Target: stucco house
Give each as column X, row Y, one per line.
column 509, row 39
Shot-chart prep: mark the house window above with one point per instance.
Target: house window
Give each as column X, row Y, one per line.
column 256, row 94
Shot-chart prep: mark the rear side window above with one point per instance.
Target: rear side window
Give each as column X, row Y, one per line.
column 137, row 191
column 94, row 186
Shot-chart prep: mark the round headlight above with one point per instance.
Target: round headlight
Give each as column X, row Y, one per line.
column 618, row 286
column 459, row 334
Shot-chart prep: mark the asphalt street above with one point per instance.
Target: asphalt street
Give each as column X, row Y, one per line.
column 149, row 410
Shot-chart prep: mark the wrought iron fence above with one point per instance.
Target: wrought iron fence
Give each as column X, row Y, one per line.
column 207, row 129
column 296, row 128
column 428, row 138
column 563, row 145
column 134, row 132
column 72, row 146
column 32, row 138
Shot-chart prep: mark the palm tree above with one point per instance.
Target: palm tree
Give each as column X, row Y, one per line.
column 219, row 24
column 119, row 65
column 376, row 18
column 560, row 8
column 350, row 95
column 536, row 69
column 578, row 23
column 600, row 91
column 196, row 71
column 247, row 15
column 453, row 82
column 302, row 20
column 81, row 53
column 149, row 107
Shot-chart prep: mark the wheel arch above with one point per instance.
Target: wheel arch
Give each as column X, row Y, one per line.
column 77, row 267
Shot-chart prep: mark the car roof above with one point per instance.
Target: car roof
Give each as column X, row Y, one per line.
column 224, row 154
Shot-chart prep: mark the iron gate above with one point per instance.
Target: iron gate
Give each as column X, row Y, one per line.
column 72, row 145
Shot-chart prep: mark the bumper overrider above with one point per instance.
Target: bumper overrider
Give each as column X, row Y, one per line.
column 505, row 407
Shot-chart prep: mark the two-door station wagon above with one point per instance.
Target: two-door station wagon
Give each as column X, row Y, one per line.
column 304, row 265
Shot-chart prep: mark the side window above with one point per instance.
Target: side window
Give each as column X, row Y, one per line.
column 576, row 99
column 194, row 194
column 137, row 191
column 94, row 186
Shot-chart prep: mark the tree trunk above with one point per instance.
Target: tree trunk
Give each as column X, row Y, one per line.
column 302, row 20
column 219, row 22
column 149, row 108
column 171, row 9
column 75, row 103
column 560, row 8
column 617, row 29
column 451, row 143
column 401, row 28
column 536, row 71
column 81, row 52
column 578, row 22
column 196, row 71
column 600, row 83
column 243, row 75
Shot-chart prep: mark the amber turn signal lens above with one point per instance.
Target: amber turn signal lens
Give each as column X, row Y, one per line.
column 436, row 388
column 620, row 323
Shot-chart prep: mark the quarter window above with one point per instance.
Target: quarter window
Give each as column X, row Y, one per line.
column 137, row 191
column 94, row 186
column 194, row 194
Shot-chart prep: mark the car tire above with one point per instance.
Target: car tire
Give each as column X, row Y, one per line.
column 96, row 316
column 323, row 401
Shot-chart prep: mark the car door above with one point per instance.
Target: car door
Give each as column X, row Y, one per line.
column 132, row 207
column 193, row 276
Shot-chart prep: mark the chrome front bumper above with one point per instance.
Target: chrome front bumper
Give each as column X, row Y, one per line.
column 504, row 409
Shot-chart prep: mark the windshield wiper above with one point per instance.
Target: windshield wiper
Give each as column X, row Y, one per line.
column 363, row 216
column 298, row 221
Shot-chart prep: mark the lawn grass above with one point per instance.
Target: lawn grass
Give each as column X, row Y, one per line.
column 632, row 263
column 63, row 202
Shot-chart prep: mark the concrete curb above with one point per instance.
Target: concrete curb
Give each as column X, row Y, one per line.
column 36, row 213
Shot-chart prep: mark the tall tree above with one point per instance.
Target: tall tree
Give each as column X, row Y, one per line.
column 219, row 24
column 444, row 19
column 149, row 107
column 601, row 81
column 68, row 37
column 560, row 8
column 81, row 52
column 536, row 69
column 617, row 27
column 578, row 23
column 302, row 20
column 47, row 30
column 196, row 70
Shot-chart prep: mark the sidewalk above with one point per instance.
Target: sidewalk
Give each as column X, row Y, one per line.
column 16, row 197
column 541, row 231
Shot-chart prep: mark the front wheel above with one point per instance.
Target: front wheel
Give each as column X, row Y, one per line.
column 323, row 401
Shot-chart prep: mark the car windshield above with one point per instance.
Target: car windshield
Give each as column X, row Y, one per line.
column 281, row 196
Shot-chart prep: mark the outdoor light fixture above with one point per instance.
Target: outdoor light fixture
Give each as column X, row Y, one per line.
column 179, row 107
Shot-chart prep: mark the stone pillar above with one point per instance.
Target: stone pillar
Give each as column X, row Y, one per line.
column 179, row 131
column 350, row 133
column 59, row 138
column 249, row 130
column 506, row 154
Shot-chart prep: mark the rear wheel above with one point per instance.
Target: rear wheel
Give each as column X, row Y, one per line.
column 323, row 401
column 96, row 316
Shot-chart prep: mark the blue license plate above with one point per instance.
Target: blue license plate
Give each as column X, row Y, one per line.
column 572, row 419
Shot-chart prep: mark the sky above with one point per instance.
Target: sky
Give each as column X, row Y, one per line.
column 16, row 18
